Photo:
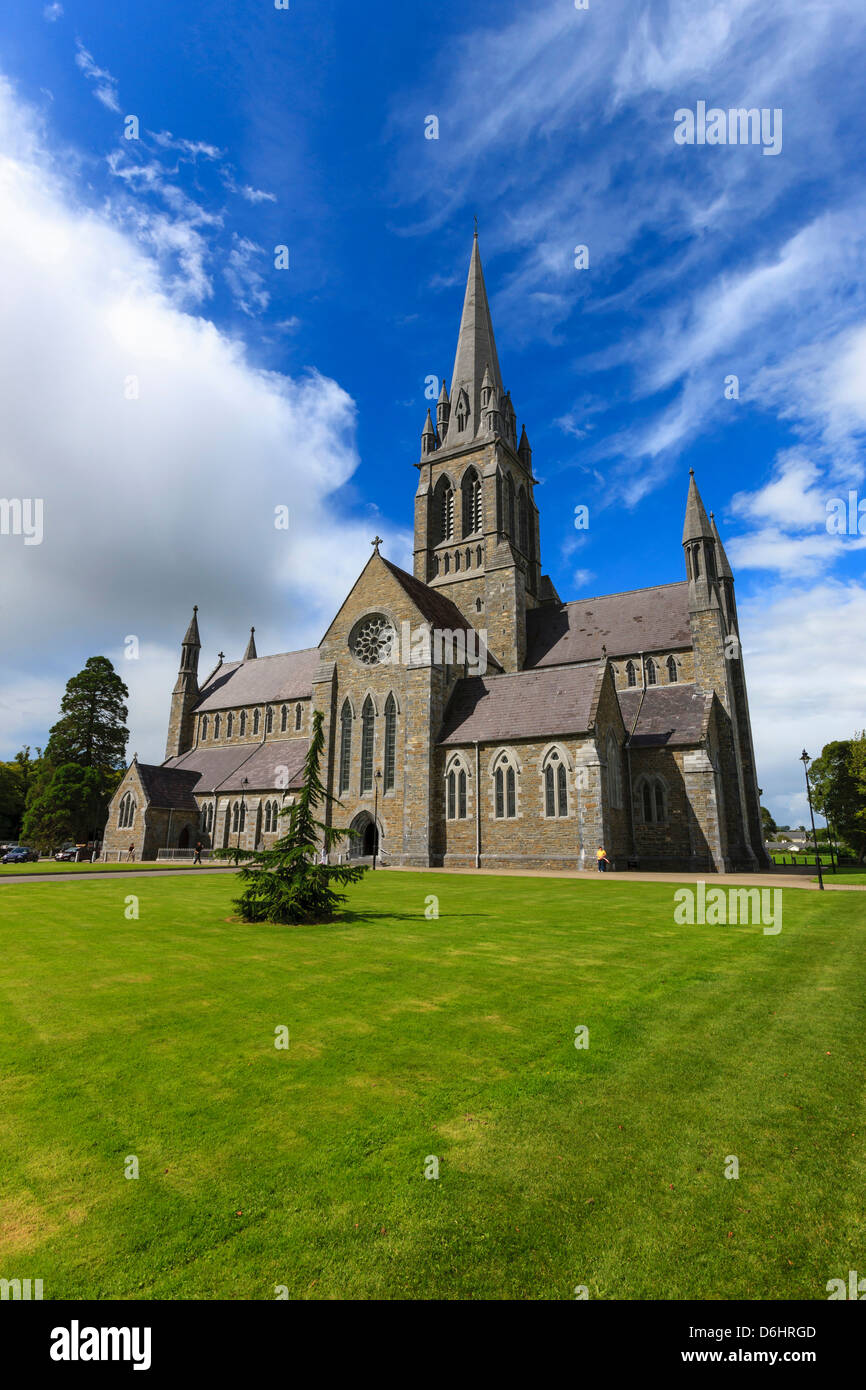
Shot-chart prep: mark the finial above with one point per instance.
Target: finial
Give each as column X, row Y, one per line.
column 252, row 629
column 691, row 472
column 476, row 228
column 195, row 608
column 221, row 655
column 376, row 542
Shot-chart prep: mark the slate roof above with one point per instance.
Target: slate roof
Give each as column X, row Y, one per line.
column 436, row 608
column 655, row 619
column 670, row 714
column 223, row 768
column 287, row 676
column 522, row 704
column 167, row 787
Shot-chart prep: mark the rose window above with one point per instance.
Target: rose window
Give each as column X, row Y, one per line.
column 372, row 639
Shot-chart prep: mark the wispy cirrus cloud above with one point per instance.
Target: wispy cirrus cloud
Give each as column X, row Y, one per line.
column 104, row 85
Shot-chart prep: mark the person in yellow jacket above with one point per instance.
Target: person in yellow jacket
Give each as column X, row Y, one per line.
column 602, row 860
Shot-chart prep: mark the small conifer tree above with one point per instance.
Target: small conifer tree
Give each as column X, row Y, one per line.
column 287, row 884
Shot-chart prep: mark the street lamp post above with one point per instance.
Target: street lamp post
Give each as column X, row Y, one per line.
column 376, row 780
column 805, row 760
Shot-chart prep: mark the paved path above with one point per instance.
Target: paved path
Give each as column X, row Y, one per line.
column 632, row 876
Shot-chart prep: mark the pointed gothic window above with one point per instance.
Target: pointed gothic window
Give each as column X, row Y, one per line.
column 461, row 794
column 504, row 787
column 345, row 746
column 650, row 672
column 555, row 786
column 653, row 796
column 367, row 746
column 478, row 555
column 443, row 503
column 203, row 727
column 256, row 721
column 500, row 516
column 298, row 716
column 284, row 719
column 630, row 673
column 230, row 723
column 390, row 743
column 472, row 517
column 523, row 522
column 217, row 723
column 549, row 801
column 672, row 670
column 269, row 720
column 126, row 812
column 452, row 795
column 243, row 722
column 509, row 507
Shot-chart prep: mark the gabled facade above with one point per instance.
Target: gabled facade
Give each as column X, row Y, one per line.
column 471, row 717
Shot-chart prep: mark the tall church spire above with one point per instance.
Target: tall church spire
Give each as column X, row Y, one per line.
column 697, row 524
column 185, row 693
column 476, row 354
column 251, row 653
column 699, row 545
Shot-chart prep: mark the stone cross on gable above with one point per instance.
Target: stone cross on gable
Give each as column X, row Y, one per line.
column 376, row 541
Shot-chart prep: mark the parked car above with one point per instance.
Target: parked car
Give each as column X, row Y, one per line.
column 20, row 854
column 67, row 855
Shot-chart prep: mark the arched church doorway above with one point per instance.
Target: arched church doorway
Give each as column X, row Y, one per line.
column 364, row 843
column 183, row 838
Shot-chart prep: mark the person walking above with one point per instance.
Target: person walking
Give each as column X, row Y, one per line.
column 602, row 860
column 131, row 853
column 197, row 855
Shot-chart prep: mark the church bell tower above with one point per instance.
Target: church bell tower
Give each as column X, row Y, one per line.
column 476, row 522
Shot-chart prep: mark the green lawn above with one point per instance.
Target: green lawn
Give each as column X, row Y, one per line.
column 413, row 1037
column 842, row 876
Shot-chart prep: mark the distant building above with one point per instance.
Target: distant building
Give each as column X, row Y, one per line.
column 621, row 720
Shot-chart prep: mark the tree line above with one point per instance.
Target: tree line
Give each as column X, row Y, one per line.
column 60, row 794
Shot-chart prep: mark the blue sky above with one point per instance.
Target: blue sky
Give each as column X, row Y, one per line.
column 154, row 258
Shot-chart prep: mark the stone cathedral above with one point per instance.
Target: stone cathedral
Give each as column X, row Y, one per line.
column 472, row 718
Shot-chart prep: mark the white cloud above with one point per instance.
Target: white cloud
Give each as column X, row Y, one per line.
column 246, row 280
column 155, row 503
column 105, row 86
column 191, row 148
column 804, row 657
column 52, row 12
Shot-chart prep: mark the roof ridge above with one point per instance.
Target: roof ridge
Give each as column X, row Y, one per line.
column 621, row 593
column 538, row 670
